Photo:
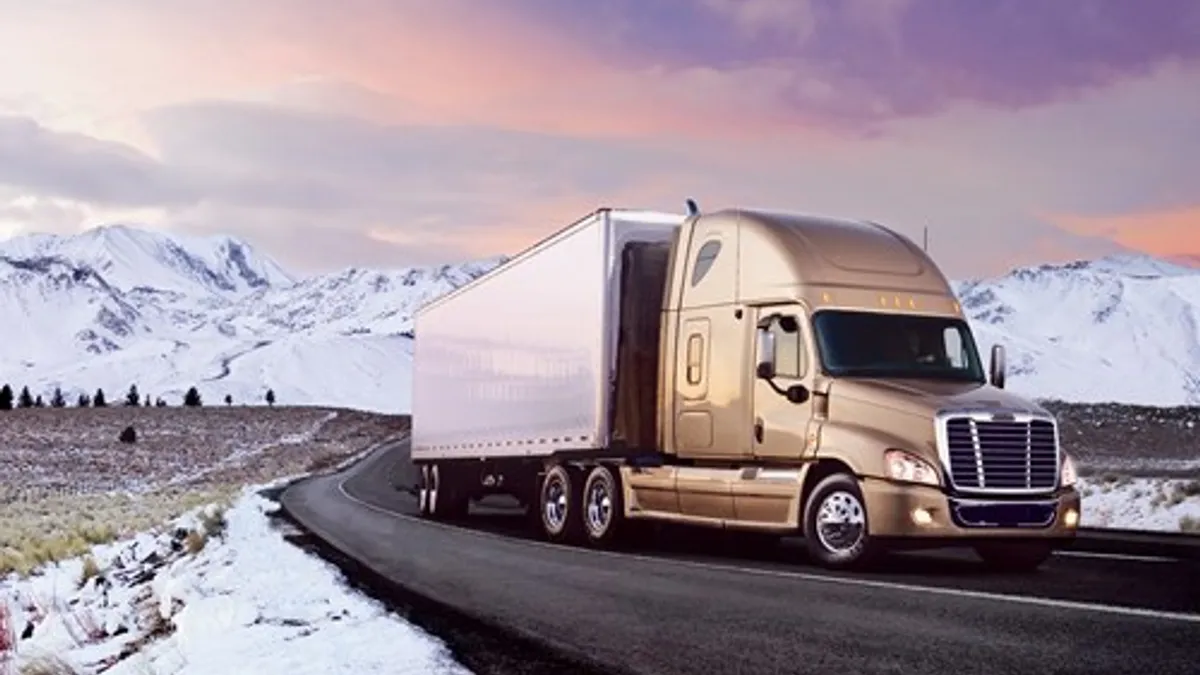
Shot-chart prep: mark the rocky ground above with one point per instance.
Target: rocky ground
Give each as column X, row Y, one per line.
column 68, row 482
column 1116, row 441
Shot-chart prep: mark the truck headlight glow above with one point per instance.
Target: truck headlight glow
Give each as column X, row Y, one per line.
column 1069, row 475
column 907, row 467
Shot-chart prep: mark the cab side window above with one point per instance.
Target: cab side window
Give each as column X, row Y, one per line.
column 789, row 350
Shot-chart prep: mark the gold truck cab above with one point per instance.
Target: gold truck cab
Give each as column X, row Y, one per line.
column 819, row 376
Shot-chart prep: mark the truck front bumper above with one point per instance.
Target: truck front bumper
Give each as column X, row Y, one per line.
column 925, row 514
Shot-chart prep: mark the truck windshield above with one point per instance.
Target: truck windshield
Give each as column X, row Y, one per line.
column 870, row 344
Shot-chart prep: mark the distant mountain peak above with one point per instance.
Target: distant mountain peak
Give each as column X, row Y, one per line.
column 1118, row 328
column 1118, row 265
column 130, row 257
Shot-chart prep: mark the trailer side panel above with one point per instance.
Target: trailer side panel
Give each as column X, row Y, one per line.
column 521, row 361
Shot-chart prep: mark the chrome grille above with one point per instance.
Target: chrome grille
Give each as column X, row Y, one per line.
column 1001, row 454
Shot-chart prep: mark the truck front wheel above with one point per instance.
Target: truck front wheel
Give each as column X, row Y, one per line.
column 559, row 504
column 836, row 531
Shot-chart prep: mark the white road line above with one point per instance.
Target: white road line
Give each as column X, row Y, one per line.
column 804, row 576
column 1116, row 556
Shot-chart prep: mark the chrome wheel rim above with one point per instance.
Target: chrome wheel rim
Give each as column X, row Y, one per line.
column 554, row 508
column 599, row 507
column 841, row 522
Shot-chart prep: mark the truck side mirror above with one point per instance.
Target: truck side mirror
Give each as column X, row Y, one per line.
column 797, row 393
column 997, row 366
column 765, row 370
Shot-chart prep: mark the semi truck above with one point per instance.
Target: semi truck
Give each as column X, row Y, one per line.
column 741, row 369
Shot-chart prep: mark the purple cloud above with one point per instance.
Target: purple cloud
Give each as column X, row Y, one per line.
column 899, row 58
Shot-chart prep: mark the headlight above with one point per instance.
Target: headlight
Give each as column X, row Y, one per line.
column 909, row 468
column 1069, row 475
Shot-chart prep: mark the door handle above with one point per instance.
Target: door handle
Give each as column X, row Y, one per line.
column 758, row 430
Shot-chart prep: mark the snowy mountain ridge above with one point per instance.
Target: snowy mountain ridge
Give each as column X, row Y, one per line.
column 119, row 305
column 1121, row 328
column 131, row 258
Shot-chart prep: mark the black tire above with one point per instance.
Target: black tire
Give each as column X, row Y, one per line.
column 560, row 489
column 853, row 547
column 424, row 486
column 1014, row 557
column 602, row 507
column 447, row 499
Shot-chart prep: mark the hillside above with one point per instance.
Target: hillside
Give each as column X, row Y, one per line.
column 1122, row 328
column 117, row 305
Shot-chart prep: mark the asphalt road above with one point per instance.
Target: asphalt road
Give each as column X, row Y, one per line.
column 692, row 606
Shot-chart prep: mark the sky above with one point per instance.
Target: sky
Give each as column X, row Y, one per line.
column 388, row 133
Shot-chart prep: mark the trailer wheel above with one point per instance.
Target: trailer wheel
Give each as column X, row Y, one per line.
column 603, row 509
column 424, row 488
column 559, row 507
column 447, row 499
column 836, row 531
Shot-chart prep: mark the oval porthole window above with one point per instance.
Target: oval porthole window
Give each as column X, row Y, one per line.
column 704, row 260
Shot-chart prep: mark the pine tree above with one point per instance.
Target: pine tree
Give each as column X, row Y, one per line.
column 6, row 398
column 98, row 401
column 192, row 398
column 147, row 402
column 84, row 401
column 133, row 398
column 228, row 399
column 271, row 397
column 58, row 400
column 38, row 402
column 25, row 400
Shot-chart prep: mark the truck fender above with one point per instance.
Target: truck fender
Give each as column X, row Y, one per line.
column 860, row 447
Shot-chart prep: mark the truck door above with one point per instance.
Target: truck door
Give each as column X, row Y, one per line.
column 779, row 427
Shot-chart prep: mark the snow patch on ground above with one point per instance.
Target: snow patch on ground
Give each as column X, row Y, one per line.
column 247, row 602
column 1141, row 504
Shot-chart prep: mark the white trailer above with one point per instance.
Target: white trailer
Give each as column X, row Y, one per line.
column 522, row 361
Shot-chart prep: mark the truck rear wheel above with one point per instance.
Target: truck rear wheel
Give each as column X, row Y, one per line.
column 559, row 504
column 603, row 509
column 836, row 531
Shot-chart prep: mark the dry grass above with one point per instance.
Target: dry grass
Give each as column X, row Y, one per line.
column 67, row 483
column 47, row 665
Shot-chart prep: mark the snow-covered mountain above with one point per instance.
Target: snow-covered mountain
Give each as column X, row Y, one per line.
column 118, row 306
column 1123, row 328
column 131, row 258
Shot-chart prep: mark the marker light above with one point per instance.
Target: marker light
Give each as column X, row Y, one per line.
column 907, row 467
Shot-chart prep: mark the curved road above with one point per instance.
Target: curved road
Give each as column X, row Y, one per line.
column 690, row 607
